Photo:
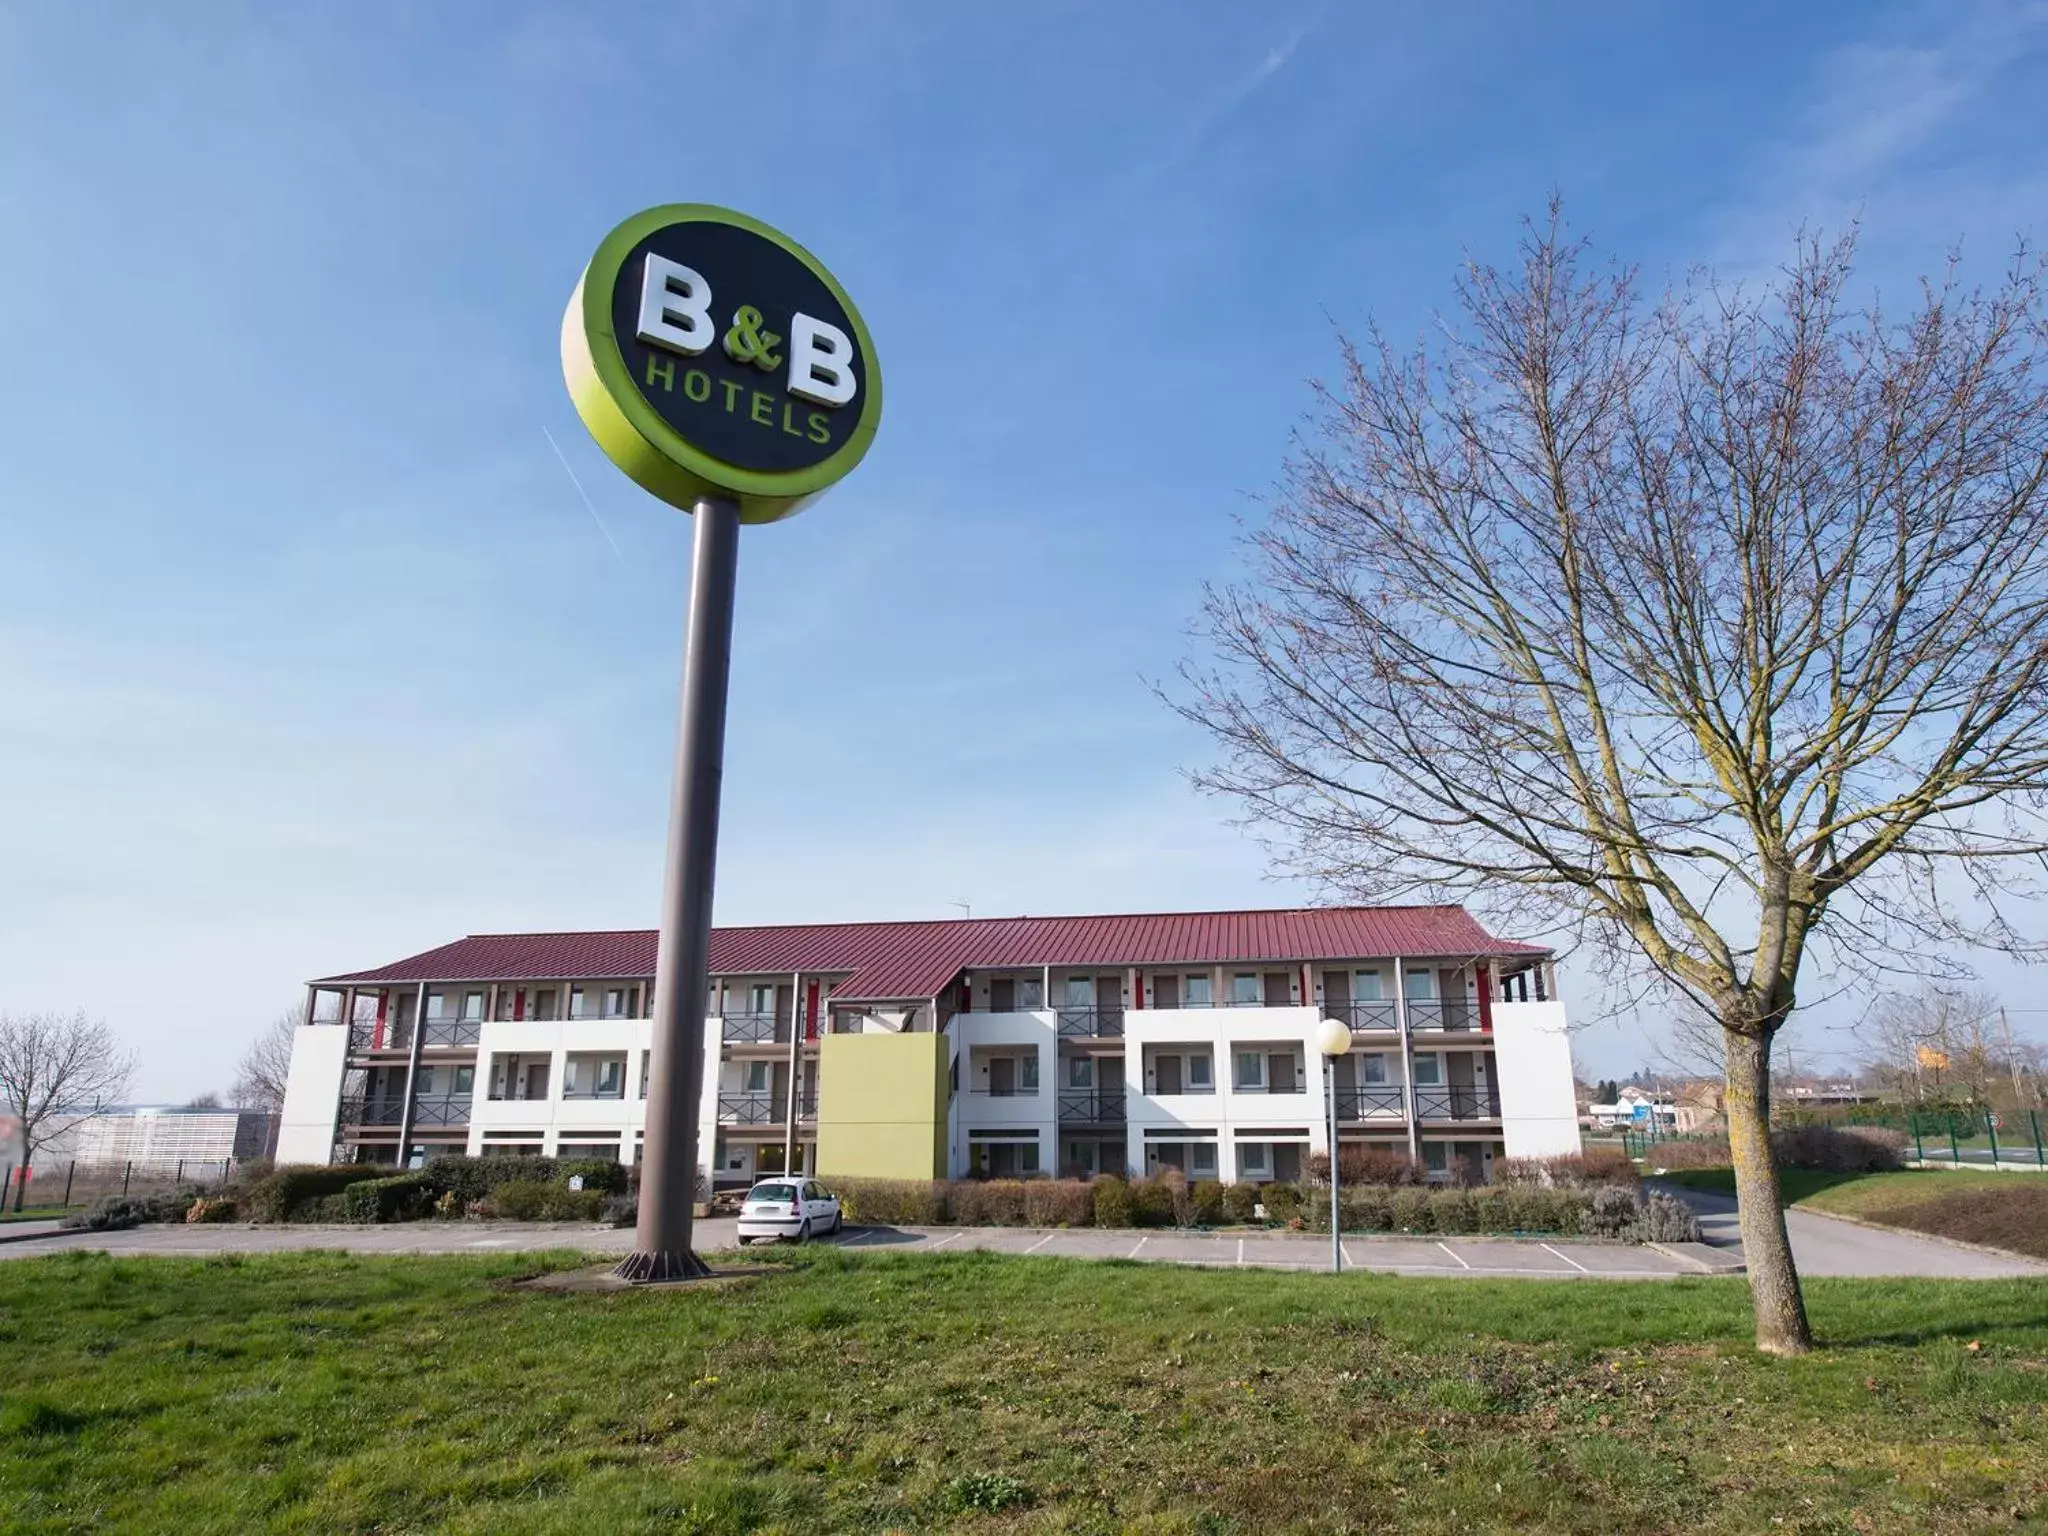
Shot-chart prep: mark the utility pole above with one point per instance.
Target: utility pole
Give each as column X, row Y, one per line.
column 2012, row 1059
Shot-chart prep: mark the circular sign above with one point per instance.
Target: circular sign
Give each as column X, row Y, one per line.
column 711, row 355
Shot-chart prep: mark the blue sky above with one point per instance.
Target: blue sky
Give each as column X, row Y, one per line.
column 312, row 655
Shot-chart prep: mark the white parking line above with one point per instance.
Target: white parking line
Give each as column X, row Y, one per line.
column 1575, row 1264
column 1041, row 1242
column 1453, row 1253
column 1350, row 1258
column 1240, row 1252
column 947, row 1242
column 1141, row 1243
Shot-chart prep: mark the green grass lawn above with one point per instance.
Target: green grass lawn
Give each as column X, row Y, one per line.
column 32, row 1213
column 851, row 1392
column 2003, row 1210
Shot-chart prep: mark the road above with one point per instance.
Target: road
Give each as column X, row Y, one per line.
column 1825, row 1245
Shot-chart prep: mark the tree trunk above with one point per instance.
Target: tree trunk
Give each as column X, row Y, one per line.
column 1781, row 1326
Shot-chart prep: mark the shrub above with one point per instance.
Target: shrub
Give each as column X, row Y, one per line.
column 1058, row 1203
column 604, row 1175
column 1151, row 1203
column 1457, row 1210
column 519, row 1199
column 1667, row 1219
column 1241, row 1202
column 1380, row 1166
column 619, row 1210
column 1114, row 1206
column 327, row 1208
column 892, row 1202
column 1365, row 1209
column 215, row 1208
column 1612, row 1212
column 1206, row 1201
column 112, row 1214
column 1180, row 1197
column 398, row 1198
column 989, row 1202
column 472, row 1178
column 1408, row 1211
column 563, row 1204
column 1692, row 1152
column 1282, row 1202
column 290, row 1193
column 1840, row 1149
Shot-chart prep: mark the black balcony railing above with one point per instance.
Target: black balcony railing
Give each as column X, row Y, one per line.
column 1433, row 1013
column 1457, row 1104
column 1095, row 1023
column 1088, row 1107
column 807, row 1105
column 754, row 1029
column 1365, row 1015
column 371, row 1111
column 441, row 1109
column 452, row 1034
column 748, row 1109
column 1370, row 1103
column 1006, row 1093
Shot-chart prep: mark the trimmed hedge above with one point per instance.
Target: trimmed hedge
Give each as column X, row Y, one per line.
column 290, row 1193
column 892, row 1202
column 541, row 1200
column 398, row 1198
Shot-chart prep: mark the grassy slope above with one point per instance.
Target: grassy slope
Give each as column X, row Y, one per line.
column 314, row 1392
column 2005, row 1210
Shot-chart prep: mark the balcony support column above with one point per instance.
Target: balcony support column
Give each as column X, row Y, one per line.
column 412, row 1072
column 796, row 1062
column 1407, row 1062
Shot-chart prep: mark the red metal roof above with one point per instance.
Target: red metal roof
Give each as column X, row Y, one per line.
column 901, row 961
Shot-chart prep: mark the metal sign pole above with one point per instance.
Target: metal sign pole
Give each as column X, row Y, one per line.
column 668, row 1169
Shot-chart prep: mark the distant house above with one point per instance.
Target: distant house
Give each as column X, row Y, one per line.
column 1699, row 1106
column 1633, row 1108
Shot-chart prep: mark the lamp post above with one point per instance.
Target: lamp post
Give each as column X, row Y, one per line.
column 1333, row 1039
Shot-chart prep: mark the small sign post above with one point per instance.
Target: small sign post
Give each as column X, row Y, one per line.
column 719, row 365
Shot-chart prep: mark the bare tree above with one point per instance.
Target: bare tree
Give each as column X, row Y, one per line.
column 1709, row 631
column 206, row 1100
column 260, row 1079
column 1932, row 1041
column 56, row 1073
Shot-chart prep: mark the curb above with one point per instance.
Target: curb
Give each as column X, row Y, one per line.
column 1697, row 1263
column 29, row 1237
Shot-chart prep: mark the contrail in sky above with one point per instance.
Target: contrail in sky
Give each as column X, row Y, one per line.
column 563, row 459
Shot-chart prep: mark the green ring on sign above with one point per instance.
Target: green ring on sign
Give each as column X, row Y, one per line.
column 633, row 436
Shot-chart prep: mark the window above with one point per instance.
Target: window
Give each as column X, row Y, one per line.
column 1245, row 991
column 1031, row 994
column 437, row 1005
column 1027, row 1073
column 1365, row 987
column 1372, row 1069
column 1080, row 1072
column 615, row 1002
column 544, row 1003
column 472, row 1007
column 1205, row 1160
column 577, row 1007
column 761, row 998
column 1428, row 1070
column 645, row 1058
column 1199, row 1080
column 1198, row 994
column 1251, row 1070
column 756, row 1077
column 1251, row 1159
column 465, row 1081
column 1435, row 1156
column 1080, row 991
column 1420, row 986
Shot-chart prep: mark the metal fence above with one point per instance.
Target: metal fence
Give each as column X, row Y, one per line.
column 1971, row 1135
column 63, row 1186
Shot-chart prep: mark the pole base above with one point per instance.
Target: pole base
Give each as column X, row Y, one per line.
column 661, row 1268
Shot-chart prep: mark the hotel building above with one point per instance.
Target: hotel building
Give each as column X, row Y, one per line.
column 1000, row 1046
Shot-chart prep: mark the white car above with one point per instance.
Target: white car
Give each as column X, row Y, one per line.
column 798, row 1208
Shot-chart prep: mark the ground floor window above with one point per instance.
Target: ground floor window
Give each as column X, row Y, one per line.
column 1083, row 1159
column 1261, row 1162
column 607, row 1150
column 510, row 1147
column 1196, row 1159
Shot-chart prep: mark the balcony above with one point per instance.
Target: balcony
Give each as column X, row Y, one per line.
column 1457, row 1104
column 452, row 1034
column 371, row 1112
column 1447, row 1014
column 1089, row 1107
column 609, row 1090
column 1077, row 1023
column 807, row 1104
column 1004, row 1093
column 748, row 1109
column 1370, row 1104
column 367, row 1035
column 1365, row 1016
column 441, row 1109
column 753, row 1029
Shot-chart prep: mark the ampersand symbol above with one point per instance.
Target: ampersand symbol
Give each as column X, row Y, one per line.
column 746, row 342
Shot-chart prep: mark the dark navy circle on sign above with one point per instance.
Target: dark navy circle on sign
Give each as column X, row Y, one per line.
column 737, row 411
